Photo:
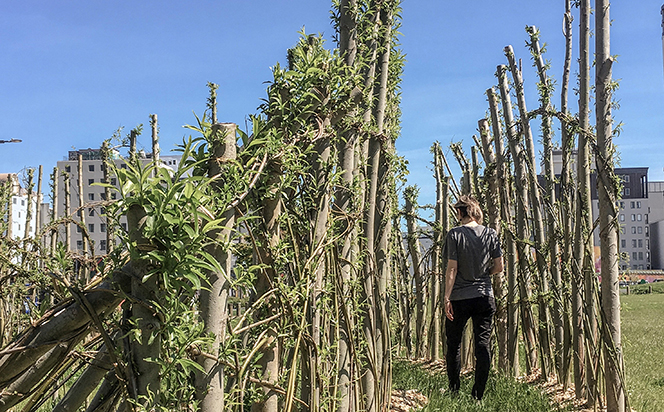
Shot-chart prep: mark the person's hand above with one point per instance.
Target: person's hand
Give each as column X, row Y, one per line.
column 448, row 310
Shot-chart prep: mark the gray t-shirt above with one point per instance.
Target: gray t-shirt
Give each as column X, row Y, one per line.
column 474, row 248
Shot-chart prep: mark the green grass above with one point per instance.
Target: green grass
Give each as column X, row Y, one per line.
column 643, row 345
column 502, row 394
column 657, row 287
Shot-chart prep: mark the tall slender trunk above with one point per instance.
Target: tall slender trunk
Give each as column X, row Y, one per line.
column 511, row 362
column 522, row 204
column 55, row 201
column 436, row 262
column 82, row 270
column 319, row 222
column 550, row 202
column 608, row 226
column 492, row 202
column 110, row 223
column 538, row 222
column 410, row 195
column 377, row 265
column 567, row 210
column 146, row 322
column 67, row 212
column 210, row 386
column 38, row 215
column 30, row 199
column 342, row 206
column 270, row 351
column 584, row 278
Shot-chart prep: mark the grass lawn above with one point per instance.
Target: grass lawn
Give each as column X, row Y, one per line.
column 643, row 343
column 502, row 394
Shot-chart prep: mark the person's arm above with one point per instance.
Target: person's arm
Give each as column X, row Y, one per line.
column 497, row 266
column 450, row 277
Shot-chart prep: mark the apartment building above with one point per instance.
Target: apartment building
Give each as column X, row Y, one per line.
column 633, row 217
column 90, row 206
column 640, row 215
column 18, row 206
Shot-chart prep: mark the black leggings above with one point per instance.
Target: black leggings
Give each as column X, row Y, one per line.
column 481, row 310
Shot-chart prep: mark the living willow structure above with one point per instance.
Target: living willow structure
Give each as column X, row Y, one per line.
column 550, row 302
column 269, row 271
column 291, row 222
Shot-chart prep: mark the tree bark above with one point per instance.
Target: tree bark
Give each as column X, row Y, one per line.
column 214, row 301
column 538, row 222
column 414, row 248
column 522, row 204
column 86, row 383
column 583, row 275
column 492, row 201
column 608, row 216
column 511, row 362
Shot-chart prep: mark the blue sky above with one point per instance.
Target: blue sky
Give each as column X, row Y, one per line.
column 73, row 71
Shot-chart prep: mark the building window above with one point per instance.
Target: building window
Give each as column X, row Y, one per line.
column 631, row 205
column 646, row 217
column 91, row 181
column 102, row 227
column 622, row 217
column 640, row 242
column 633, row 255
column 91, row 168
column 633, row 217
column 19, row 215
column 124, row 226
column 113, row 195
column 102, row 244
column 14, row 200
column 78, row 229
column 623, row 243
column 103, row 211
column 633, row 242
column 91, row 196
column 646, row 230
column 91, row 227
column 633, row 230
column 647, row 243
column 79, row 244
column 639, row 230
column 22, row 202
column 92, row 212
column 626, row 191
column 67, row 168
column 78, row 212
column 622, row 205
column 113, row 181
column 102, row 196
column 638, row 217
column 638, row 205
column 626, row 178
column 640, row 255
column 123, row 166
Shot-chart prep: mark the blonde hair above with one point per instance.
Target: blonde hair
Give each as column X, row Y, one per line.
column 469, row 206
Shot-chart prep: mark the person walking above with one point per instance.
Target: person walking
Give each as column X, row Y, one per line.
column 473, row 256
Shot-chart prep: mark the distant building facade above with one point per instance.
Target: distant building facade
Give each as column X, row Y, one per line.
column 640, row 215
column 19, row 208
column 93, row 196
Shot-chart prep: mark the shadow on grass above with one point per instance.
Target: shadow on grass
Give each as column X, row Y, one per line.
column 502, row 394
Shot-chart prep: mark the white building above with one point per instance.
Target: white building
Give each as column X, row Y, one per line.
column 19, row 208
